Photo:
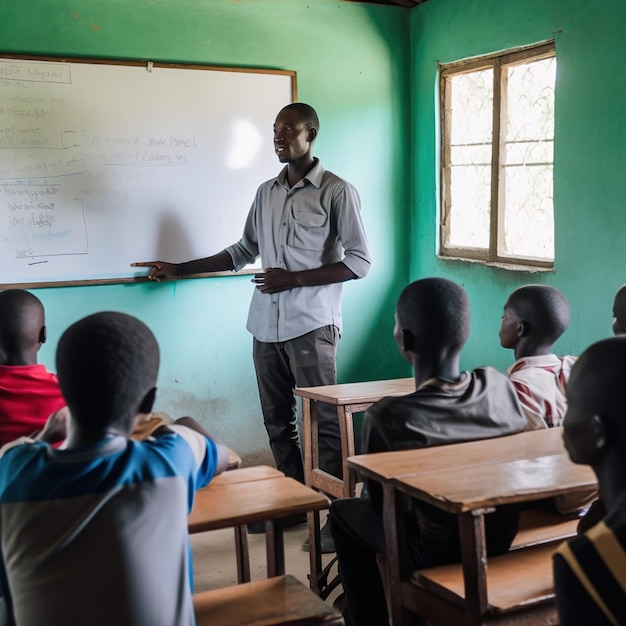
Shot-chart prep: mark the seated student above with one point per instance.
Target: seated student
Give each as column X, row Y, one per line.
column 619, row 312
column 535, row 316
column 597, row 510
column 28, row 392
column 97, row 533
column 432, row 325
column 590, row 570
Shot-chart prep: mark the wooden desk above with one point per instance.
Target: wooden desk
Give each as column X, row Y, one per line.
column 384, row 466
column 349, row 398
column 230, row 477
column 244, row 475
column 267, row 500
column 448, row 482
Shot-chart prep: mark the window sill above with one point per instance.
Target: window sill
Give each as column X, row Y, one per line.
column 512, row 267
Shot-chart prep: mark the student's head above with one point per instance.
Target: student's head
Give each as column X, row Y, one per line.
column 619, row 311
column 595, row 422
column 107, row 365
column 536, row 315
column 22, row 327
column 295, row 130
column 432, row 317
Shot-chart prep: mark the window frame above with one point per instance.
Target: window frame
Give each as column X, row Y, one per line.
column 498, row 63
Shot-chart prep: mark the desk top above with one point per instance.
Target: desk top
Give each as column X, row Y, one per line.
column 462, row 489
column 237, row 504
column 358, row 393
column 387, row 465
column 244, row 475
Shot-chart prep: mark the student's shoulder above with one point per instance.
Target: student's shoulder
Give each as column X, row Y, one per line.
column 391, row 404
column 490, row 377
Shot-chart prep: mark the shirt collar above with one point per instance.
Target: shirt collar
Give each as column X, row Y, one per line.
column 314, row 176
column 447, row 385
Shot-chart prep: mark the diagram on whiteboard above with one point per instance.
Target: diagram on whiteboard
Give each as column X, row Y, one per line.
column 101, row 165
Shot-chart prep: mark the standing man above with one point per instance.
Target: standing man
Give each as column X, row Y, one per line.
column 306, row 226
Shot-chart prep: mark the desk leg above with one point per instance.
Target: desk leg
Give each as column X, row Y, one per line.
column 275, row 548
column 315, row 555
column 308, row 424
column 311, row 459
column 242, row 554
column 396, row 565
column 346, row 431
column 474, row 557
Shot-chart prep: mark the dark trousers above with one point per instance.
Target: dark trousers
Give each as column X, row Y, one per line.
column 359, row 536
column 357, row 528
column 358, row 533
column 305, row 361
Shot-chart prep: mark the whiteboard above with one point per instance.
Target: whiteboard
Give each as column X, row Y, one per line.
column 104, row 164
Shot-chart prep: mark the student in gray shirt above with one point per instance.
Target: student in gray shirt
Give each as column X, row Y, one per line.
column 306, row 226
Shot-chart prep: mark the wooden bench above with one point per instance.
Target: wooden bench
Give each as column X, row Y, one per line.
column 539, row 526
column 513, row 588
column 519, row 579
column 279, row 601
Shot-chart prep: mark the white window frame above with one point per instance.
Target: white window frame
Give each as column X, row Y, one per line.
column 499, row 63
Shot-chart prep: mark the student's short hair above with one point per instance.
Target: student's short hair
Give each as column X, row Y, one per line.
column 106, row 364
column 307, row 114
column 599, row 376
column 21, row 319
column 619, row 304
column 544, row 308
column 435, row 310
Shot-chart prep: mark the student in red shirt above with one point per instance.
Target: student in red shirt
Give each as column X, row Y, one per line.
column 29, row 393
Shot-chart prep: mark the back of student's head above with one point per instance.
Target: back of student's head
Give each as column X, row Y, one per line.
column 619, row 311
column 596, row 415
column 436, row 311
column 22, row 325
column 543, row 309
column 107, row 364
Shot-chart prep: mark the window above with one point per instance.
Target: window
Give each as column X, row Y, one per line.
column 497, row 146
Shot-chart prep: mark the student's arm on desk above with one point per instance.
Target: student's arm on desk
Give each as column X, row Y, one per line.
column 191, row 424
column 53, row 431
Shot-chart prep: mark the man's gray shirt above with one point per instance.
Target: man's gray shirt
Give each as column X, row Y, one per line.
column 315, row 223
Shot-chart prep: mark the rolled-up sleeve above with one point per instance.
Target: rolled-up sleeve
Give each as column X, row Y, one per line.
column 357, row 257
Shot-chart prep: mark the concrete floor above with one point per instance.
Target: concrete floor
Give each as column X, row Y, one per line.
column 215, row 566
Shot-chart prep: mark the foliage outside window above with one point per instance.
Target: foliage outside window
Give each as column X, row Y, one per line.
column 497, row 147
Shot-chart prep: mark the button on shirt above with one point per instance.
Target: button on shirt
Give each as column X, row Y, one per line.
column 315, row 223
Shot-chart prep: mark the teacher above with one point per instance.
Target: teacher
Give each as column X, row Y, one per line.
column 306, row 226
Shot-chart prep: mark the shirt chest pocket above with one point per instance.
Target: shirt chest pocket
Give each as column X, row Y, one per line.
column 308, row 230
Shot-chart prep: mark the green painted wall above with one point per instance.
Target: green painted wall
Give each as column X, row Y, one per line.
column 589, row 155
column 371, row 72
column 351, row 62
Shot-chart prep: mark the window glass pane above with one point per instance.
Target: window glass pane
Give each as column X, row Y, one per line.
column 528, row 160
column 471, row 129
column 470, row 191
column 529, row 215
